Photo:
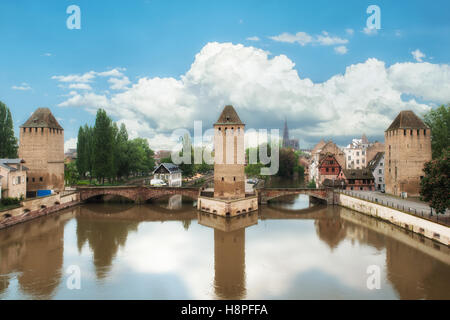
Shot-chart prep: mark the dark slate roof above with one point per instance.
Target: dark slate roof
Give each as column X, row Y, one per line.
column 407, row 120
column 358, row 174
column 374, row 162
column 172, row 168
column 5, row 164
column 42, row 118
column 229, row 116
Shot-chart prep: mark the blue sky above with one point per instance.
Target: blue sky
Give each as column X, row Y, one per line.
column 154, row 40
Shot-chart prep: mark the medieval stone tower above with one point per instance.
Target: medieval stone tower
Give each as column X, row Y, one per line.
column 407, row 148
column 229, row 158
column 42, row 148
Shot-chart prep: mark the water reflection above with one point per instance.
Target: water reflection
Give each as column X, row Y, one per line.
column 318, row 252
column 229, row 253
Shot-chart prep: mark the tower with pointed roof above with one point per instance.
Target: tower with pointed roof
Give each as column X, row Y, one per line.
column 229, row 197
column 42, row 148
column 229, row 160
column 407, row 148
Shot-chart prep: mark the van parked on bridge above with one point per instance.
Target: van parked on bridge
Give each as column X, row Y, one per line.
column 157, row 183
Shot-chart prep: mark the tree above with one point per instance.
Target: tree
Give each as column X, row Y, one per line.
column 8, row 142
column 312, row 184
column 71, row 173
column 288, row 163
column 435, row 185
column 103, row 143
column 439, row 122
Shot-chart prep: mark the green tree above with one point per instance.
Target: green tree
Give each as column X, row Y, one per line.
column 288, row 163
column 439, row 122
column 435, row 185
column 312, row 184
column 103, row 144
column 8, row 142
column 71, row 174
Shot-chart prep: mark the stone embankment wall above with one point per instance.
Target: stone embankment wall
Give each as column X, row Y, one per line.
column 37, row 207
column 418, row 225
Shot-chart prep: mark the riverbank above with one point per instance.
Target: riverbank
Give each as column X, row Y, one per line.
column 30, row 209
column 432, row 230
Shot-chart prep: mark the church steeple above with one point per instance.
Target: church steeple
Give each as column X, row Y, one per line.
column 285, row 133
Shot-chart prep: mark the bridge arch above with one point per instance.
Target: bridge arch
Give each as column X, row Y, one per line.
column 89, row 193
column 267, row 194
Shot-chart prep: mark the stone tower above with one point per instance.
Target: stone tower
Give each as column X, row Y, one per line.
column 229, row 158
column 407, row 148
column 42, row 148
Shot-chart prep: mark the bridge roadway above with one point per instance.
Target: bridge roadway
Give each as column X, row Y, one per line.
column 141, row 194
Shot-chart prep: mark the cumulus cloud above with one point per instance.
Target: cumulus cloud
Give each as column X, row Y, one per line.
column 119, row 83
column 265, row 89
column 341, row 50
column 22, row 87
column 70, row 144
column 304, row 38
column 418, row 55
column 80, row 86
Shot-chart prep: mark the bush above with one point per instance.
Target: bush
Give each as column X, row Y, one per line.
column 11, row 201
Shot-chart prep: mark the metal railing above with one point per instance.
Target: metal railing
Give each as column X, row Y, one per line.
column 427, row 214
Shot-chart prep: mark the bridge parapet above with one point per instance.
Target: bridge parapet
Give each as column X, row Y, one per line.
column 266, row 194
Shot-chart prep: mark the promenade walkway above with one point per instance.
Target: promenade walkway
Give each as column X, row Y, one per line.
column 410, row 205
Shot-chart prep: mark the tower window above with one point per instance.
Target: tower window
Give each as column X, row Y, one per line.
column 410, row 132
column 424, row 132
column 24, row 129
column 222, row 179
column 32, row 179
column 40, row 179
column 234, row 178
column 404, row 132
column 418, row 131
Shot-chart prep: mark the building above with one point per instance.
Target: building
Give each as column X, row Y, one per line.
column 70, row 155
column 376, row 165
column 408, row 147
column 169, row 173
column 229, row 197
column 357, row 179
column 13, row 175
column 289, row 143
column 42, row 148
column 360, row 152
column 304, row 162
column 321, row 150
column 329, row 168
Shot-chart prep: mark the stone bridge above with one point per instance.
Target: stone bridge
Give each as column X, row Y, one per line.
column 138, row 194
column 266, row 194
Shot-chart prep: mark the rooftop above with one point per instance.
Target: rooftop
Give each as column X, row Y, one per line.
column 407, row 120
column 229, row 116
column 357, row 174
column 42, row 118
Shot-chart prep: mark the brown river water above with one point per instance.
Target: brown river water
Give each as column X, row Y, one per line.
column 168, row 250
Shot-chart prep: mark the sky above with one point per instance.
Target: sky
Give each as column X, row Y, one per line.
column 157, row 66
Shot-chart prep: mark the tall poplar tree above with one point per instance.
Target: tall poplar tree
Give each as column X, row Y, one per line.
column 8, row 142
column 103, row 146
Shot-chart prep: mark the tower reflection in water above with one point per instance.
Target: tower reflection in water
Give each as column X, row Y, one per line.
column 229, row 252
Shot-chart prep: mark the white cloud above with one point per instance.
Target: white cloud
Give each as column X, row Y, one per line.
column 303, row 39
column 117, row 72
column 255, row 38
column 22, row 87
column 350, row 31
column 86, row 77
column 80, row 86
column 418, row 55
column 370, row 31
column 47, row 54
column 265, row 89
column 119, row 84
column 70, row 144
column 341, row 50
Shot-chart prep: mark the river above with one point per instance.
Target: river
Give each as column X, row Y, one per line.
column 167, row 250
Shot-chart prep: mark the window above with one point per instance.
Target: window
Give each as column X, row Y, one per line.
column 357, row 154
column 234, row 178
column 18, row 180
column 222, row 179
column 41, row 179
column 332, row 169
column 357, row 161
column 424, row 132
column 410, row 132
column 381, row 164
column 380, row 179
column 32, row 179
column 363, row 152
column 404, row 132
column 349, row 158
column 327, row 169
column 380, row 171
column 418, row 131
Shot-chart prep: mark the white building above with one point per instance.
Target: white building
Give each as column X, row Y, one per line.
column 356, row 153
column 376, row 165
column 169, row 173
